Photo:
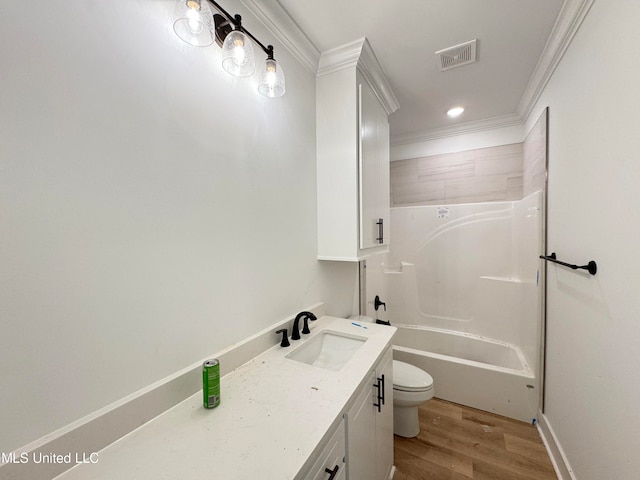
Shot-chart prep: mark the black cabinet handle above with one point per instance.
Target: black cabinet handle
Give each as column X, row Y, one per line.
column 380, row 224
column 382, row 388
column 380, row 399
column 333, row 472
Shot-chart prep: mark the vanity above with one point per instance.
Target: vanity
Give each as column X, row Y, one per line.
column 320, row 409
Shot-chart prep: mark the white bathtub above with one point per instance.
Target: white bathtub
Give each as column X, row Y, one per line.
column 471, row 370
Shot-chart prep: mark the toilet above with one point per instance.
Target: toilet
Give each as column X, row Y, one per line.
column 412, row 387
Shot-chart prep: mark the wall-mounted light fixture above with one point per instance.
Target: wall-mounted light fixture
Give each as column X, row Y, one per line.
column 197, row 25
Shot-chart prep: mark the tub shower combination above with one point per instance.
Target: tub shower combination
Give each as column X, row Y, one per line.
column 471, row 370
column 462, row 284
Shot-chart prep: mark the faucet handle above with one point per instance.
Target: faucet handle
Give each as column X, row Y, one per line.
column 305, row 327
column 285, row 340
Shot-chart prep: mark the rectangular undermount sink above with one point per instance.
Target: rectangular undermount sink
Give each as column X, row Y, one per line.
column 328, row 350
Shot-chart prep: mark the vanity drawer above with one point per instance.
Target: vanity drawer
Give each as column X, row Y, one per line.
column 330, row 462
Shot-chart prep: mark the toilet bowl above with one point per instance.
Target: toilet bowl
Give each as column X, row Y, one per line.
column 411, row 388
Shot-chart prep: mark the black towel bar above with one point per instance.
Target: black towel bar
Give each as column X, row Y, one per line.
column 591, row 267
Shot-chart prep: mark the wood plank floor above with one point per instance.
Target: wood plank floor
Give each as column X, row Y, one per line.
column 462, row 443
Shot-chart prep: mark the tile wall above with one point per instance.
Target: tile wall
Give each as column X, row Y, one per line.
column 535, row 157
column 482, row 175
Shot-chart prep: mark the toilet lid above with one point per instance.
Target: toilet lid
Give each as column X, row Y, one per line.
column 409, row 378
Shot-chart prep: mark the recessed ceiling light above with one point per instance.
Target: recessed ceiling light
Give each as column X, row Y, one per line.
column 455, row 112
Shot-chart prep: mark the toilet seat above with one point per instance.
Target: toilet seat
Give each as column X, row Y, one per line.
column 409, row 378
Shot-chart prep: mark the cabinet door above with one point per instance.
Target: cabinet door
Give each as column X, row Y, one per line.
column 373, row 169
column 361, row 435
column 384, row 419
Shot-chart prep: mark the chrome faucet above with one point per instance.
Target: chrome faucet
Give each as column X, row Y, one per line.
column 306, row 316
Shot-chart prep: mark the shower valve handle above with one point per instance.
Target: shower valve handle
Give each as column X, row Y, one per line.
column 377, row 303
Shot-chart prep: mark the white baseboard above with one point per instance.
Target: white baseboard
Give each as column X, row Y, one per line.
column 558, row 458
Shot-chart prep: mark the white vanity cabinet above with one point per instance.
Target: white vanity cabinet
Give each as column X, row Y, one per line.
column 353, row 101
column 361, row 448
column 370, row 426
column 330, row 465
column 280, row 418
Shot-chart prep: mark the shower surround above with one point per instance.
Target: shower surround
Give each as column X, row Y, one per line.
column 462, row 275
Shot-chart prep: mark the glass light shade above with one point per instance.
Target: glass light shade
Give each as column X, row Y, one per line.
column 237, row 55
column 272, row 83
column 194, row 22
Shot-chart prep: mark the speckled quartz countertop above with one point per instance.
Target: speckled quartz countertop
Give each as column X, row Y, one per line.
column 273, row 415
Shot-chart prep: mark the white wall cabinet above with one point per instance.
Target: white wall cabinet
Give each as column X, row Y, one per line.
column 373, row 169
column 370, row 426
column 353, row 101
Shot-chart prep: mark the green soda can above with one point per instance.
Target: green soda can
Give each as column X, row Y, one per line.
column 211, row 383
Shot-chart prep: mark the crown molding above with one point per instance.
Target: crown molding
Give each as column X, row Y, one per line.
column 571, row 16
column 340, row 58
column 359, row 54
column 569, row 19
column 493, row 123
column 285, row 30
column 371, row 69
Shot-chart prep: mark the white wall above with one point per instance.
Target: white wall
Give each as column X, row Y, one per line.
column 153, row 208
column 593, row 329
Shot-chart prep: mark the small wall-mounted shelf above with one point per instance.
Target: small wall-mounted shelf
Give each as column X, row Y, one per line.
column 591, row 267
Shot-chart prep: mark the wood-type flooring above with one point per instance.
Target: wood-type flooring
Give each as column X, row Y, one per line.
column 462, row 443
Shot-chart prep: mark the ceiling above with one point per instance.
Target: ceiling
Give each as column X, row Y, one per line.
column 405, row 34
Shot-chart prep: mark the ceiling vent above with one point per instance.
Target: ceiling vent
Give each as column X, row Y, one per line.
column 457, row 56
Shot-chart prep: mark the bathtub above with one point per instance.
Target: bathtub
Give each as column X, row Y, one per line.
column 471, row 370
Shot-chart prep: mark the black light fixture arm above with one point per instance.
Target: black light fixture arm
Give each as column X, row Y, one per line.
column 236, row 21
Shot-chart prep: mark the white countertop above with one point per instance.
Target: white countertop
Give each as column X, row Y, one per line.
column 273, row 414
